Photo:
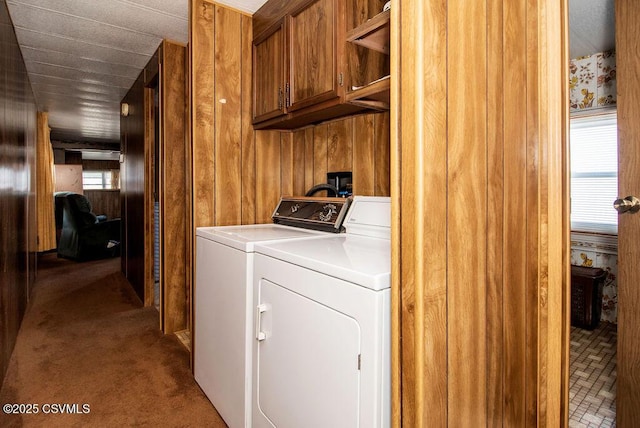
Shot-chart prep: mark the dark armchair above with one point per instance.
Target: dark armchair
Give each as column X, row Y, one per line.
column 84, row 236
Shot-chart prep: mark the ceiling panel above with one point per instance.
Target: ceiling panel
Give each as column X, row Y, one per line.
column 248, row 6
column 54, row 43
column 591, row 27
column 83, row 56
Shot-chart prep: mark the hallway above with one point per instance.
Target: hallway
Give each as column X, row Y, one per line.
column 87, row 340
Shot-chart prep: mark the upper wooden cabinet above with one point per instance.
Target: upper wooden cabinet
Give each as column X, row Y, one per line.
column 268, row 74
column 313, row 53
column 300, row 66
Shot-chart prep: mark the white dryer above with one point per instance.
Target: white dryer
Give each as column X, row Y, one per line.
column 321, row 355
column 223, row 298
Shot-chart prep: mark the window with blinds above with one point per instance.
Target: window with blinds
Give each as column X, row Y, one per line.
column 99, row 180
column 594, row 173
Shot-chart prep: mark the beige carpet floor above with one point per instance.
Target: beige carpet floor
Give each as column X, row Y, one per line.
column 87, row 341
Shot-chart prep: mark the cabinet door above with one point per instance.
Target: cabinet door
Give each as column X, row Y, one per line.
column 313, row 54
column 268, row 74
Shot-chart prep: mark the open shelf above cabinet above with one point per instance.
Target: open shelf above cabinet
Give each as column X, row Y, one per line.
column 375, row 95
column 373, row 34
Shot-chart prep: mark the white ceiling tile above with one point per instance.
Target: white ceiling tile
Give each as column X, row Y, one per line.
column 79, row 63
column 248, row 6
column 117, row 54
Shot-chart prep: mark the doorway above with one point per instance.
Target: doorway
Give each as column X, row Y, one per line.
column 594, row 252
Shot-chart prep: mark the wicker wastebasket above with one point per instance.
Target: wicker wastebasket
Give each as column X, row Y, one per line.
column 586, row 296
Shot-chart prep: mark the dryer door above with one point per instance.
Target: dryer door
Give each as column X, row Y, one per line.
column 307, row 364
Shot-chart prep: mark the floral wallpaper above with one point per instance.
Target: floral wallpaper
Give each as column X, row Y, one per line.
column 594, row 251
column 592, row 81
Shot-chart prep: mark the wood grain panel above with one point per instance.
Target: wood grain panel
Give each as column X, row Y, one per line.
column 105, row 202
column 628, row 73
column 173, row 210
column 494, row 285
column 286, row 164
column 467, row 213
column 132, row 181
column 420, row 250
column 268, row 173
column 202, row 36
column 299, row 171
column 18, row 189
column 340, row 145
column 248, row 144
column 309, row 153
column 515, row 188
column 382, row 172
column 534, row 196
column 554, row 226
column 45, row 186
column 495, row 223
column 320, row 155
column 228, row 126
column 364, row 155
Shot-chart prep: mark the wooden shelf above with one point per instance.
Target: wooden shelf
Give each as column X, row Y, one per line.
column 373, row 34
column 374, row 95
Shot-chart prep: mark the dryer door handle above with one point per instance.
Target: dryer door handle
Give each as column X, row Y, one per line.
column 260, row 309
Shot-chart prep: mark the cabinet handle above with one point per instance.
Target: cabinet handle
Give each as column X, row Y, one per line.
column 288, row 95
column 280, row 98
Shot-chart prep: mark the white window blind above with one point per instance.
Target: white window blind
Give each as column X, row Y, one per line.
column 594, row 173
column 96, row 180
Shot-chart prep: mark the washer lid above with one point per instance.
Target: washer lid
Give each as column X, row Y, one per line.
column 357, row 259
column 244, row 237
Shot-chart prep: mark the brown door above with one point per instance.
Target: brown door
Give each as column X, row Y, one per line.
column 628, row 69
column 313, row 52
column 268, row 74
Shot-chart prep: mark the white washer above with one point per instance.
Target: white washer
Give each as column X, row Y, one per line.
column 223, row 303
column 321, row 355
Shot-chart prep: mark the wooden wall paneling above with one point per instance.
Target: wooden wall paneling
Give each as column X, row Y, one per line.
column 18, row 189
column 309, row 156
column 268, row 165
column 554, row 219
column 628, row 73
column 132, row 186
column 534, row 196
column 419, row 265
column 228, row 107
column 340, row 146
column 287, row 170
column 495, row 205
column 202, row 110
column 515, row 217
column 382, row 174
column 320, row 155
column 150, row 158
column 466, row 213
column 299, row 158
column 173, row 187
column 248, row 202
column 504, row 290
column 364, row 155
column 105, row 202
column 45, row 186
